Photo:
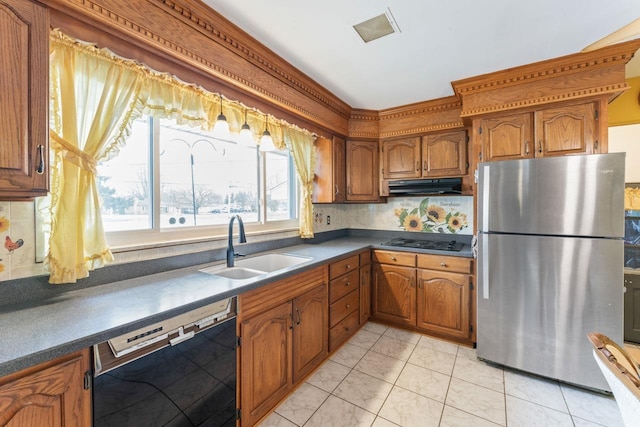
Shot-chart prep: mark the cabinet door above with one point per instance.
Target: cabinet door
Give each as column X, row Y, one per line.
column 394, row 294
column 444, row 303
column 401, row 158
column 566, row 130
column 49, row 395
column 365, row 293
column 444, row 154
column 339, row 170
column 507, row 137
column 362, row 171
column 329, row 182
column 265, row 361
column 24, row 104
column 310, row 331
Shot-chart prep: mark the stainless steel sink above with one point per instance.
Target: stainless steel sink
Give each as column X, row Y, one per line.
column 235, row 273
column 272, row 262
column 252, row 267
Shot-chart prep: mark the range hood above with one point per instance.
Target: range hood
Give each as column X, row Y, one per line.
column 416, row 187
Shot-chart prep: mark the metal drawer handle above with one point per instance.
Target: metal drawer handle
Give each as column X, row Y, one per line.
column 393, row 258
column 299, row 317
column 347, row 284
column 40, row 168
column 442, row 264
column 348, row 266
column 348, row 305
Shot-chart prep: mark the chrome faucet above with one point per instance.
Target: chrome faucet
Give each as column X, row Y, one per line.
column 241, row 239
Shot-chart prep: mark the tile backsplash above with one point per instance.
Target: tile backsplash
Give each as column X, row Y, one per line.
column 440, row 214
column 17, row 232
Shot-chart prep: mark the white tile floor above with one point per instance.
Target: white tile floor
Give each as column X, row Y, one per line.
column 385, row 376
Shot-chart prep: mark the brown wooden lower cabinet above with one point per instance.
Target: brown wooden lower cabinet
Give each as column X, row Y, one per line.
column 443, row 303
column 365, row 293
column 283, row 337
column 394, row 294
column 349, row 297
column 49, row 394
column 430, row 293
column 265, row 349
column 310, row 333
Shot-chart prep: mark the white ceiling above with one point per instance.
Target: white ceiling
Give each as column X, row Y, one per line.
column 440, row 40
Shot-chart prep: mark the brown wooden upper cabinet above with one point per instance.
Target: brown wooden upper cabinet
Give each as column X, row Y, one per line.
column 24, row 105
column 569, row 129
column 434, row 155
column 363, row 183
column 330, row 181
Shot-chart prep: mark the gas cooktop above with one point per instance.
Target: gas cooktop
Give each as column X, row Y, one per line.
column 438, row 245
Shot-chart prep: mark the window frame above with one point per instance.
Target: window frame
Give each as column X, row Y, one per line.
column 157, row 237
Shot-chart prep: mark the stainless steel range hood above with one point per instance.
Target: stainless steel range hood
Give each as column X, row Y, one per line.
column 418, row 187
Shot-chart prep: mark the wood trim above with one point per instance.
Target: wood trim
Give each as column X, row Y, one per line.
column 364, row 124
column 263, row 298
column 422, row 117
column 572, row 77
column 202, row 39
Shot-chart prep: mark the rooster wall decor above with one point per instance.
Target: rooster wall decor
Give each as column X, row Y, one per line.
column 11, row 245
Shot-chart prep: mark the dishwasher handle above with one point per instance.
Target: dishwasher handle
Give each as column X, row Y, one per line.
column 181, row 336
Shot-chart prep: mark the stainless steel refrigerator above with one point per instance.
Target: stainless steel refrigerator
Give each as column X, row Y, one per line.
column 550, row 263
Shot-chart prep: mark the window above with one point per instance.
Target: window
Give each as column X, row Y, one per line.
column 171, row 182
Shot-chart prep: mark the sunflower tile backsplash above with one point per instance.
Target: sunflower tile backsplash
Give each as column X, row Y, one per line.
column 435, row 215
column 440, row 214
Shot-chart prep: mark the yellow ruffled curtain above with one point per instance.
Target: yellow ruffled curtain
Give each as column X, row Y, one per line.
column 303, row 150
column 95, row 96
column 632, row 198
column 93, row 101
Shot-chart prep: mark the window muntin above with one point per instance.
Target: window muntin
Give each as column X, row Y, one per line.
column 191, row 169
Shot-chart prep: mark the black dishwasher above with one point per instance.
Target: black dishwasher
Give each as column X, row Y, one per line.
column 179, row 372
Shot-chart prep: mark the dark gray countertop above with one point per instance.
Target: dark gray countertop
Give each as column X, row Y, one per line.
column 35, row 331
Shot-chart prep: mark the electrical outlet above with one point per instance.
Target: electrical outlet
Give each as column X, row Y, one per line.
column 328, row 219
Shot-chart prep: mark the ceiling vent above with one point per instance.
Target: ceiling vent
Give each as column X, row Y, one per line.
column 379, row 26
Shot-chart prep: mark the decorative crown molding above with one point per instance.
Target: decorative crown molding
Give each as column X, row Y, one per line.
column 242, row 49
column 578, row 62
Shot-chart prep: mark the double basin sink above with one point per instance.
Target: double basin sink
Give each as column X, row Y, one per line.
column 256, row 266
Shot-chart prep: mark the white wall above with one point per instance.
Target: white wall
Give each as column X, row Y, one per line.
column 626, row 139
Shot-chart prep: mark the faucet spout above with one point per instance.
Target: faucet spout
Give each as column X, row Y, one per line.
column 231, row 255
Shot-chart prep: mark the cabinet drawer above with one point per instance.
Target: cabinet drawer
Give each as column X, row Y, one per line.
column 445, row 263
column 341, row 267
column 343, row 330
column 395, row 258
column 343, row 285
column 365, row 258
column 343, row 307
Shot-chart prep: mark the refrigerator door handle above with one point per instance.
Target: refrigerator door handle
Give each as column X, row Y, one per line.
column 486, row 183
column 484, row 254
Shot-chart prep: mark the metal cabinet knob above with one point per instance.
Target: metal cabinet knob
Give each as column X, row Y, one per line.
column 393, row 258
column 442, row 264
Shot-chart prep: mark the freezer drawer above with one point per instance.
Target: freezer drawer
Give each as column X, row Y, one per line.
column 539, row 296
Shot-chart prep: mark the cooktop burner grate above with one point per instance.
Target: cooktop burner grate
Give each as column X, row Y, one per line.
column 448, row 245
